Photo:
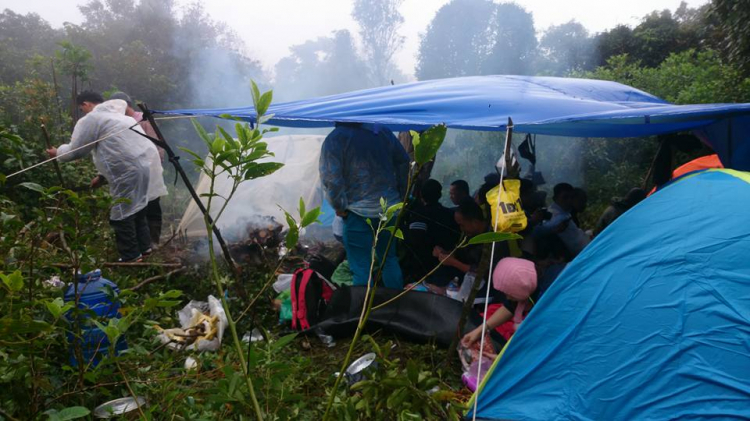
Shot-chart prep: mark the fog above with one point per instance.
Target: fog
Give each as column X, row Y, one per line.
column 177, row 55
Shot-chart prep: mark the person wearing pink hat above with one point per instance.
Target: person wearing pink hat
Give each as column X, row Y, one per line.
column 522, row 282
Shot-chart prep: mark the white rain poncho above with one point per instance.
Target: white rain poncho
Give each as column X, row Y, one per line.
column 156, row 186
column 123, row 159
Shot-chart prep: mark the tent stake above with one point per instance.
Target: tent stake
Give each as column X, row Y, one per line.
column 175, row 160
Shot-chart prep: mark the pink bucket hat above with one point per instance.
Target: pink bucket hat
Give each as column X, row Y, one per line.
column 515, row 277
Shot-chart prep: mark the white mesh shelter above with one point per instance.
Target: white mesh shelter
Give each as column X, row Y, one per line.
column 298, row 177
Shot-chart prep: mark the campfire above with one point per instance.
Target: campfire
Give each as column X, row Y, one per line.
column 258, row 243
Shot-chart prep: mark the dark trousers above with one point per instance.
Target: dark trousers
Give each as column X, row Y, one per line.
column 132, row 236
column 153, row 213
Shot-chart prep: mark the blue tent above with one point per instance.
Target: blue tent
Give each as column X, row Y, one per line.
column 540, row 105
column 650, row 321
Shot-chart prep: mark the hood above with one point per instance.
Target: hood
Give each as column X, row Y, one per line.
column 116, row 106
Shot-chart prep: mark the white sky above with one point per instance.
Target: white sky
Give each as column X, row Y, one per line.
column 270, row 27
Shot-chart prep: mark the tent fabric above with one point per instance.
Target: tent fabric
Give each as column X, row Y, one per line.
column 651, row 321
column 298, row 177
column 537, row 105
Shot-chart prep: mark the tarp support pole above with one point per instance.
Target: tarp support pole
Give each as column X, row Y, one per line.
column 175, row 160
column 505, row 166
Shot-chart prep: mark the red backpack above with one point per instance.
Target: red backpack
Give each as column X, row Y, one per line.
column 310, row 295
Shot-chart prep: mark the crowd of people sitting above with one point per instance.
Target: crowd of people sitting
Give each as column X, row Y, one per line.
column 361, row 164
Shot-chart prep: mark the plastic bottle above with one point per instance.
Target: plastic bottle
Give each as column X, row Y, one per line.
column 453, row 289
column 466, row 286
column 92, row 298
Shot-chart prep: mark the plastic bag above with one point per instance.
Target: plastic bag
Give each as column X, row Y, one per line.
column 509, row 211
column 208, row 316
column 285, row 307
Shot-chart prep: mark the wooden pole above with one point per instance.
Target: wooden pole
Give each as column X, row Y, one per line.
column 175, row 160
column 56, row 164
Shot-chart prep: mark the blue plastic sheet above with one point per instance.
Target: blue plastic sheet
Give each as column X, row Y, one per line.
column 651, row 321
column 540, row 105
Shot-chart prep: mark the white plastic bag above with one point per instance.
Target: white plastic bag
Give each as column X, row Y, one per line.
column 211, row 314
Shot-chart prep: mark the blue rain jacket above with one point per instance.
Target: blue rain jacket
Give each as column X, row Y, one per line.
column 359, row 164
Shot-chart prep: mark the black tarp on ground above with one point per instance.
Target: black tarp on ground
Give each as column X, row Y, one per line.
column 418, row 316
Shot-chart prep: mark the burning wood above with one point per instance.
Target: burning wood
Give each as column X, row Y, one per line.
column 259, row 247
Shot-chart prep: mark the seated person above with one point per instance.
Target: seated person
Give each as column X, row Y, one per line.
column 618, row 207
column 472, row 222
column 523, row 283
column 579, row 203
column 431, row 225
column 561, row 222
column 459, row 191
column 491, row 181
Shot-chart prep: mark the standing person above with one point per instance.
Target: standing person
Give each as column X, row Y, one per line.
column 156, row 188
column 123, row 160
column 359, row 165
column 459, row 191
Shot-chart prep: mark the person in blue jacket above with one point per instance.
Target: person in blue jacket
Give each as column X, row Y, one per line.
column 359, row 165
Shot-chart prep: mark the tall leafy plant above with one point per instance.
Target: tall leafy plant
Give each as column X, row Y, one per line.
column 235, row 159
column 426, row 146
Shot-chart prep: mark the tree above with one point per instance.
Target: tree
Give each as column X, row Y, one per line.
column 733, row 17
column 659, row 34
column 325, row 66
column 617, row 41
column 689, row 77
column 566, row 48
column 21, row 38
column 475, row 37
column 379, row 21
column 514, row 43
column 74, row 61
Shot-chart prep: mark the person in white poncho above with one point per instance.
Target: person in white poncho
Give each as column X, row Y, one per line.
column 123, row 159
column 157, row 188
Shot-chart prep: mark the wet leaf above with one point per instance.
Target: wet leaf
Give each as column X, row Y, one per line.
column 264, row 102
column 13, row 281
column 311, row 217
column 32, row 186
column 428, row 143
column 71, row 413
column 493, row 237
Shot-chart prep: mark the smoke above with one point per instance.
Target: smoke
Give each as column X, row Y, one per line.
column 469, row 156
column 221, row 78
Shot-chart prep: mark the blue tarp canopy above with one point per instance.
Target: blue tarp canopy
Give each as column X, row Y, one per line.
column 538, row 105
column 650, row 322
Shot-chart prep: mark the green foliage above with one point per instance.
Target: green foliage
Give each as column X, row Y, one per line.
column 732, row 17
column 397, row 391
column 72, row 413
column 428, row 143
column 614, row 166
column 689, row 77
column 306, row 218
column 659, row 34
column 74, row 60
column 493, row 237
column 566, row 48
